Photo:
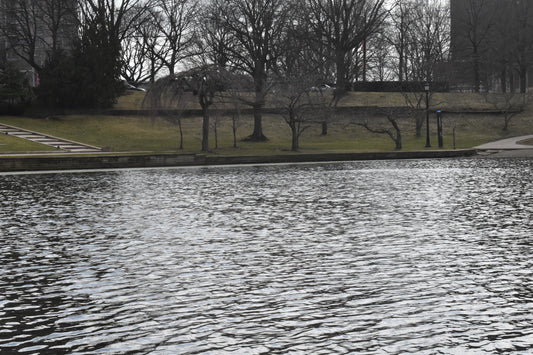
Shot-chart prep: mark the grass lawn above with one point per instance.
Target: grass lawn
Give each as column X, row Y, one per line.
column 10, row 144
column 142, row 134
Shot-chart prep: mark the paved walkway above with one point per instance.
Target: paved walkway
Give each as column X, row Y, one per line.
column 507, row 148
column 60, row 143
column 507, row 144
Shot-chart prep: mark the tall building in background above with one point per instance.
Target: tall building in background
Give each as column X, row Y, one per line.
column 491, row 44
column 471, row 22
column 32, row 30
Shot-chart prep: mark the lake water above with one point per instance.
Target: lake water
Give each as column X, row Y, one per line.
column 384, row 257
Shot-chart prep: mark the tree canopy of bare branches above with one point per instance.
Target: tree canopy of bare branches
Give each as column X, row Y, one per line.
column 257, row 28
column 35, row 29
column 344, row 25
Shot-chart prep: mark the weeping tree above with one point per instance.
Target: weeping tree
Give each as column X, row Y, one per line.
column 203, row 82
column 163, row 96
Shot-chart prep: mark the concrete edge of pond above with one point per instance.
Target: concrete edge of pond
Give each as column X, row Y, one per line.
column 20, row 163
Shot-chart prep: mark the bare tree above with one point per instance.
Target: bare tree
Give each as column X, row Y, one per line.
column 175, row 20
column 215, row 41
column 257, row 27
column 415, row 101
column 429, row 39
column 33, row 30
column 140, row 48
column 163, row 96
column 148, row 31
column 392, row 115
column 398, row 34
column 379, row 60
column 59, row 19
column 344, row 25
column 516, row 35
column 509, row 104
column 299, row 107
column 234, row 97
column 296, row 91
column 501, row 56
column 116, row 18
column 474, row 32
column 204, row 82
column 137, row 68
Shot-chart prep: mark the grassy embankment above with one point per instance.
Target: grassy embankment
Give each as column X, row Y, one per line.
column 142, row 134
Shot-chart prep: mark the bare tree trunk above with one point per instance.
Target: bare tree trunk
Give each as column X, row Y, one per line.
column 324, row 128
column 216, row 133
column 364, row 60
column 181, row 134
column 507, row 119
column 400, row 66
column 294, row 131
column 523, row 79
column 419, row 122
column 259, row 102
column 205, row 128
column 503, row 80
column 234, row 129
column 398, row 138
column 340, row 65
column 257, row 135
column 477, row 81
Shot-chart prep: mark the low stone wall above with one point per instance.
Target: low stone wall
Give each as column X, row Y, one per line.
column 80, row 162
column 296, row 158
column 77, row 162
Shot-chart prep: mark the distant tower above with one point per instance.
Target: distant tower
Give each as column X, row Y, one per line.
column 458, row 41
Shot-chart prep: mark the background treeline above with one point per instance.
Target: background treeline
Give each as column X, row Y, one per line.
column 89, row 46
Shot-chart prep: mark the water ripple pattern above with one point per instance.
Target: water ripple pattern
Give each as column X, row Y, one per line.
column 391, row 257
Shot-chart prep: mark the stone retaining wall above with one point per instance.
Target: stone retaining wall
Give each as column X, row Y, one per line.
column 76, row 162
column 80, row 162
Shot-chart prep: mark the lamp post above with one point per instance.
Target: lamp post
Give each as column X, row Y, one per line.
column 426, row 89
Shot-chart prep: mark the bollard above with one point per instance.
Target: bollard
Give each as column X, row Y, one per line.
column 439, row 128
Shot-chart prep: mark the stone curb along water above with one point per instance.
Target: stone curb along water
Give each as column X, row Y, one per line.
column 22, row 163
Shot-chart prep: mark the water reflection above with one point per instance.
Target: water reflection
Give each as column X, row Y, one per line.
column 370, row 257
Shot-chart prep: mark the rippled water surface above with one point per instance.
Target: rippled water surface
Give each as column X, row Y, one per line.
column 392, row 257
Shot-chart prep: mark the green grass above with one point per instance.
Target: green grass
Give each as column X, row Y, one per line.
column 109, row 132
column 10, row 144
column 142, row 134
column 127, row 134
column 131, row 100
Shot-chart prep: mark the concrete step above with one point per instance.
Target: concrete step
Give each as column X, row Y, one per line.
column 47, row 140
column 82, row 150
column 26, row 136
column 68, row 146
column 44, row 140
column 54, row 143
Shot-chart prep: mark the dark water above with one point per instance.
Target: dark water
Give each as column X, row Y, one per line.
column 395, row 257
